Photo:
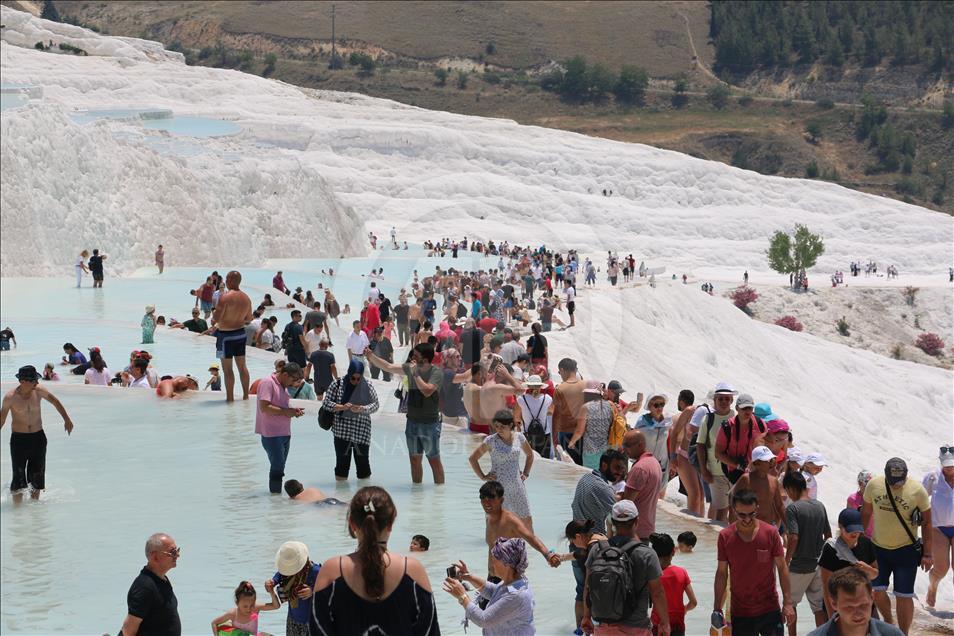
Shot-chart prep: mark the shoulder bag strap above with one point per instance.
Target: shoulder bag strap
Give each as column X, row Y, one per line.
column 897, row 513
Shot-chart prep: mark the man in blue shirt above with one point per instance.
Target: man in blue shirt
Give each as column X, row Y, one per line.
column 851, row 598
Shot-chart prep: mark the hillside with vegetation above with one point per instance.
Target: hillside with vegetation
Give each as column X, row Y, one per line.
column 851, row 92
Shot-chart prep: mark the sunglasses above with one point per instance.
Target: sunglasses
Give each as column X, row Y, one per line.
column 657, row 405
column 174, row 553
column 746, row 515
column 947, row 450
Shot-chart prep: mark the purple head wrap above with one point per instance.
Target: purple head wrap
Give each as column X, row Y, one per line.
column 511, row 552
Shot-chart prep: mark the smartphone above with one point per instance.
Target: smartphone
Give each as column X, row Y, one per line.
column 452, row 572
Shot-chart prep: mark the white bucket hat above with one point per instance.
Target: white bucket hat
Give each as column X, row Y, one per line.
column 534, row 382
column 291, row 558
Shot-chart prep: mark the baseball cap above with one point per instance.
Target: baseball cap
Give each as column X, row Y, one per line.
column 724, row 388
column 850, row 520
column 625, row 510
column 947, row 456
column 795, row 455
column 28, row 374
column 593, row 387
column 744, row 401
column 762, row 454
column 778, row 425
column 763, row 411
column 816, row 458
column 864, row 477
column 614, row 385
column 895, row 471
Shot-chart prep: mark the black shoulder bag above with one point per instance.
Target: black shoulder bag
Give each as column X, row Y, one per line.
column 326, row 417
column 915, row 541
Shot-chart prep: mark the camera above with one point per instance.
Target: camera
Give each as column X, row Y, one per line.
column 452, row 572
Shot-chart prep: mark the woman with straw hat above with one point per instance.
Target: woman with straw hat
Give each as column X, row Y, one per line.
column 148, row 324
column 293, row 583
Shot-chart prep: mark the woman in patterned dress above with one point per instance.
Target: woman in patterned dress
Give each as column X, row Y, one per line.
column 505, row 447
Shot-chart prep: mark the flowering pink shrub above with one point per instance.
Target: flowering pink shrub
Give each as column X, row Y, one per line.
column 930, row 343
column 789, row 322
column 744, row 296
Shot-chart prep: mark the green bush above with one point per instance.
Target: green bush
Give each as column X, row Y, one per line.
column 461, row 80
column 811, row 170
column 718, row 96
column 825, row 103
column 270, row 60
column 69, row 48
column 745, row 101
column 814, row 129
column 492, row 78
column 679, row 97
column 440, row 74
column 907, row 185
column 631, row 85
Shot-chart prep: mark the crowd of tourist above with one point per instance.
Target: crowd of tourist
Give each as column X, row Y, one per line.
column 455, row 344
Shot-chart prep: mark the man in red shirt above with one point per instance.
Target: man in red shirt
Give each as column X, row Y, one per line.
column 643, row 482
column 750, row 551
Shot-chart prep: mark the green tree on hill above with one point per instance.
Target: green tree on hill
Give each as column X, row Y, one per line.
column 679, row 97
column 718, row 96
column 793, row 255
column 49, row 11
column 631, row 85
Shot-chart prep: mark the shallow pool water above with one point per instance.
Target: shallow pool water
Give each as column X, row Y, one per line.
column 194, row 468
column 194, row 126
column 12, row 101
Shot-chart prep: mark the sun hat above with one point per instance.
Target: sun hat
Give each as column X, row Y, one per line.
column 724, row 388
column 762, row 454
column 614, row 385
column 593, row 388
column 28, row 374
column 895, row 471
column 816, row 458
column 214, row 366
column 291, row 558
column 150, row 309
column 777, row 426
column 763, row 411
column 625, row 510
column 850, row 520
column 744, row 401
column 534, row 381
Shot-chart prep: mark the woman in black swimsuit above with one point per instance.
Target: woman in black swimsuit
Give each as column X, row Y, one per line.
column 373, row 590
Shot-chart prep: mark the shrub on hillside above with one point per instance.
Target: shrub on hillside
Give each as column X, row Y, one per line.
column 440, row 74
column 811, row 170
column 825, row 103
column 842, row 326
column 930, row 343
column 745, row 100
column 718, row 96
column 744, row 296
column 789, row 322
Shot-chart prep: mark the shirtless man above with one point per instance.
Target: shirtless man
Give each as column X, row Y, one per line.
column 28, row 441
column 503, row 523
column 231, row 314
column 766, row 487
column 297, row 492
column 680, row 436
column 173, row 387
column 486, row 394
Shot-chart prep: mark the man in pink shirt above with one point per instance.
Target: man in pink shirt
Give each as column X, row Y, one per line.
column 273, row 420
column 643, row 482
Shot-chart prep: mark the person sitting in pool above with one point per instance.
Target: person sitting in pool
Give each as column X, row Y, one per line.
column 297, row 492
column 170, row 388
column 267, row 302
column 419, row 543
column 50, row 374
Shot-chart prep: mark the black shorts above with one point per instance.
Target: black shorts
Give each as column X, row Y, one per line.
column 97, row 276
column 28, row 456
column 571, row 307
column 770, row 624
column 230, row 344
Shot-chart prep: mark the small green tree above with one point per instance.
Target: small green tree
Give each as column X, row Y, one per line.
column 440, row 75
column 793, row 255
column 679, row 97
column 270, row 60
column 461, row 80
column 814, row 129
column 718, row 96
column 574, row 86
column 631, row 85
column 600, row 81
column 49, row 11
column 811, row 170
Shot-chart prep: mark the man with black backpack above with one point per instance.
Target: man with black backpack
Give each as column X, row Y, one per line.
column 535, row 411
column 708, row 463
column 622, row 574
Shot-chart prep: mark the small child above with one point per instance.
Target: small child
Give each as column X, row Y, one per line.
column 856, row 500
column 244, row 615
column 215, row 381
column 686, row 541
column 347, row 309
column 675, row 582
column 50, row 374
column 420, row 543
column 814, row 464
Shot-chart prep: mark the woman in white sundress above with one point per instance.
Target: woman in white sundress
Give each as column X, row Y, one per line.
column 505, row 447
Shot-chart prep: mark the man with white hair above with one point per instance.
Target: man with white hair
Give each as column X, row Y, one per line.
column 709, row 464
column 152, row 604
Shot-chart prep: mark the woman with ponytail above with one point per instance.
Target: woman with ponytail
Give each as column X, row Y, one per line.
column 373, row 589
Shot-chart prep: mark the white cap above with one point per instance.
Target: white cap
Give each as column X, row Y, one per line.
column 947, row 458
column 762, row 454
column 795, row 455
column 816, row 458
column 625, row 510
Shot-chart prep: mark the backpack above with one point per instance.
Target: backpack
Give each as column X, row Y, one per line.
column 693, row 454
column 535, row 433
column 734, row 475
column 610, row 578
column 618, row 427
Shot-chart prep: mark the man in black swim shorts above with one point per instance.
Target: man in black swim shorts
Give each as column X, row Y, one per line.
column 28, row 441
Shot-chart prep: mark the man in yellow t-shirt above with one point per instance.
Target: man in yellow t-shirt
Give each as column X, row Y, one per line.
column 894, row 547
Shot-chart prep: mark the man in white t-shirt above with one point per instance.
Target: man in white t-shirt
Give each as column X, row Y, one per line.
column 569, row 298
column 357, row 342
column 313, row 338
